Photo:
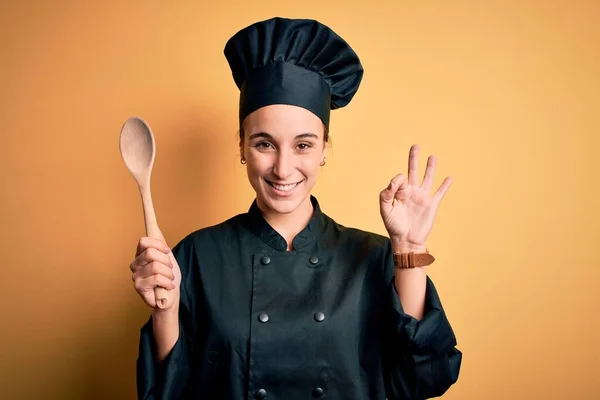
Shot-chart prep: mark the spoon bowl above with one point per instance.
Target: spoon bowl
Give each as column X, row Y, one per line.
column 137, row 148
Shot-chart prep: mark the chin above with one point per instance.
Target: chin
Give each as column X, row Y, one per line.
column 282, row 206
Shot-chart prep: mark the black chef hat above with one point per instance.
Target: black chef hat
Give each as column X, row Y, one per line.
column 293, row 61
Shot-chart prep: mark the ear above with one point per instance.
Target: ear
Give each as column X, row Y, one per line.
column 241, row 141
column 324, row 152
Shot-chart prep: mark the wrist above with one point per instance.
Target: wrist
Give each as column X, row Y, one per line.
column 165, row 328
column 165, row 317
column 402, row 246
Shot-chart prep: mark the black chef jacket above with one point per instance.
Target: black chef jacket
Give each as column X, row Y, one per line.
column 321, row 321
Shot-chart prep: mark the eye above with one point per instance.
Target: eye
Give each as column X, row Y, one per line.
column 263, row 145
column 304, row 146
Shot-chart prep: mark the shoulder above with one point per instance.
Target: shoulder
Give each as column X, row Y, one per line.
column 358, row 238
column 362, row 248
column 205, row 244
column 213, row 234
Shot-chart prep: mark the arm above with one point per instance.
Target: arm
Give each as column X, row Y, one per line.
column 411, row 283
column 420, row 358
column 419, row 354
column 165, row 326
column 164, row 357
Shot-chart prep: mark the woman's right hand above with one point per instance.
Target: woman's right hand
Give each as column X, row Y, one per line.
column 155, row 265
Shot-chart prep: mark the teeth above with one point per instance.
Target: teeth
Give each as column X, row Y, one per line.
column 284, row 188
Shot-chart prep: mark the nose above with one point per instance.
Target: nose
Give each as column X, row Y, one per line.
column 284, row 164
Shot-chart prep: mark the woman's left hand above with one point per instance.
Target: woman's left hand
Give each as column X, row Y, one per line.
column 407, row 209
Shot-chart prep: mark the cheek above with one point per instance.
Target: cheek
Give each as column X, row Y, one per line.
column 258, row 166
column 311, row 168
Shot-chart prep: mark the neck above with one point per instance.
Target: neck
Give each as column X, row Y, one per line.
column 290, row 224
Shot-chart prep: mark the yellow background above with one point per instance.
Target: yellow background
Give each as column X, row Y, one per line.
column 505, row 94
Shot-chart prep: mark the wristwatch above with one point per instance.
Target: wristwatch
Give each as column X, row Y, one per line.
column 412, row 260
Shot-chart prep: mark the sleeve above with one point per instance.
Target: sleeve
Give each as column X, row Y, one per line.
column 420, row 360
column 167, row 379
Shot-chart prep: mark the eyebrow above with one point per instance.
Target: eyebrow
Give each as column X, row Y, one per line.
column 266, row 135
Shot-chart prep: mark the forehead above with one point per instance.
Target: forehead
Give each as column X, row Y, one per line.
column 283, row 120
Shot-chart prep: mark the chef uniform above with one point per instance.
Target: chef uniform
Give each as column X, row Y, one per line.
column 322, row 321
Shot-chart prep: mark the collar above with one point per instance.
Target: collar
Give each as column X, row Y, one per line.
column 311, row 232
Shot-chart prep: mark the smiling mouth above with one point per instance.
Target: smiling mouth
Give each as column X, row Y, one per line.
column 284, row 188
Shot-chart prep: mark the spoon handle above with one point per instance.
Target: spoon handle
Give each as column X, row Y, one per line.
column 153, row 231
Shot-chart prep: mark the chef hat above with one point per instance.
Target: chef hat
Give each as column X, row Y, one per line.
column 293, row 61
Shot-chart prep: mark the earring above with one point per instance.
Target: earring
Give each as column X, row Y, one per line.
column 323, row 162
column 242, row 161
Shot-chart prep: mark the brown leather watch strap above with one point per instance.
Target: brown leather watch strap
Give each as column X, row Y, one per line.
column 412, row 260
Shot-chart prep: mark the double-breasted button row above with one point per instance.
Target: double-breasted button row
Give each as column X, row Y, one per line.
column 264, row 317
column 266, row 260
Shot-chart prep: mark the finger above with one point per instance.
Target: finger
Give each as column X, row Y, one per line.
column 151, row 254
column 148, row 256
column 397, row 183
column 413, row 164
column 149, row 283
column 154, row 268
column 441, row 192
column 429, row 172
column 148, row 242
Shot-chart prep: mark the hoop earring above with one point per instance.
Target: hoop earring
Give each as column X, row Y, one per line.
column 243, row 161
column 323, row 162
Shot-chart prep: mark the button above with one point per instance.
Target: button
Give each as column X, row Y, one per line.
column 260, row 394
column 317, row 392
column 265, row 260
column 314, row 260
column 262, row 317
column 319, row 316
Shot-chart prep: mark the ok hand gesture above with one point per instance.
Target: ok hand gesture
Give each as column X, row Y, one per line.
column 407, row 208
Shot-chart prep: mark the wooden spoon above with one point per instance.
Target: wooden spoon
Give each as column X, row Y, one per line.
column 137, row 147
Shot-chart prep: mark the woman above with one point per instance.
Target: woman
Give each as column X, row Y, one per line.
column 282, row 302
